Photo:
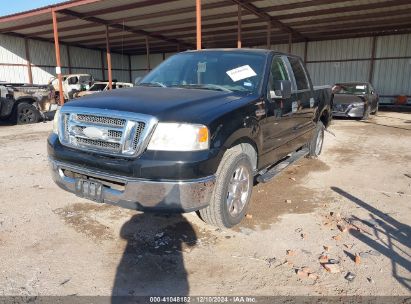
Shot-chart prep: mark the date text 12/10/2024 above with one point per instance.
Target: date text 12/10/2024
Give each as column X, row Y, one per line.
column 203, row 299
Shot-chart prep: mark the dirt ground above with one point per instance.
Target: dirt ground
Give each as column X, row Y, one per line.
column 353, row 200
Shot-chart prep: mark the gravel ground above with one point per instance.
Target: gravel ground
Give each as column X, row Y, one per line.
column 351, row 207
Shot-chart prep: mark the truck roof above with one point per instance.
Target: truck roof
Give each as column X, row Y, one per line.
column 352, row 82
column 243, row 50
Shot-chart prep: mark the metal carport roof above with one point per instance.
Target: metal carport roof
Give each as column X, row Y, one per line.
column 170, row 25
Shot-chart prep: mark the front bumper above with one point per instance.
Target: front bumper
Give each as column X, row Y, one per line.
column 349, row 111
column 137, row 194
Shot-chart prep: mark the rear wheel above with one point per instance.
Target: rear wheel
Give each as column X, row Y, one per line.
column 26, row 114
column 232, row 192
column 315, row 146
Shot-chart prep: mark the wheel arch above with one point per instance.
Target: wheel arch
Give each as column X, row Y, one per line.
column 25, row 99
column 249, row 147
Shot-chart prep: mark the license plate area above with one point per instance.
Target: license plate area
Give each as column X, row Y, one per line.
column 91, row 190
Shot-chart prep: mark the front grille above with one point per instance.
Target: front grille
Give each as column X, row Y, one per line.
column 98, row 143
column 101, row 120
column 139, row 131
column 114, row 134
column 340, row 107
column 106, row 133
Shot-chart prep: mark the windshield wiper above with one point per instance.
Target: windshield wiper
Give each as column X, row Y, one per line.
column 214, row 87
column 152, row 84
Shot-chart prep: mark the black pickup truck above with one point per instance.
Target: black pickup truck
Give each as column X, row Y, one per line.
column 194, row 135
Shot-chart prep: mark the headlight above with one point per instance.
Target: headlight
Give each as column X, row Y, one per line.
column 179, row 137
column 357, row 104
column 56, row 121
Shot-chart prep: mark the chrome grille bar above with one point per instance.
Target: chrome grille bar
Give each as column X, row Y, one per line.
column 100, row 120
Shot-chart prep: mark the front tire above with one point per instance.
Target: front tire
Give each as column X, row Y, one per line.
column 366, row 114
column 232, row 192
column 376, row 109
column 26, row 114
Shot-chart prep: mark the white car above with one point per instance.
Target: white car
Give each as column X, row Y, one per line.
column 72, row 83
column 101, row 86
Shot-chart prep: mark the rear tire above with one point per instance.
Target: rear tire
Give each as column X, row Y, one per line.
column 26, row 114
column 232, row 191
column 315, row 146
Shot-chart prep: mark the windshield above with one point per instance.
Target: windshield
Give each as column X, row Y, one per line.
column 84, row 79
column 351, row 89
column 211, row 70
column 98, row 87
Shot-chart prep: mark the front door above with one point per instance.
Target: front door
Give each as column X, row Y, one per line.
column 277, row 127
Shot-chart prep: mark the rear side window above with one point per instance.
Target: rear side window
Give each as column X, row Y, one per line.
column 299, row 73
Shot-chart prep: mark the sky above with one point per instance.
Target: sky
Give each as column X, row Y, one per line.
column 17, row 6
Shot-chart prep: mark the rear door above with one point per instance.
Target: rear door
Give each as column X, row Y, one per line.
column 304, row 105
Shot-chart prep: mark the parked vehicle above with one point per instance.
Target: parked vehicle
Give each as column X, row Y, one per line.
column 193, row 135
column 72, row 84
column 25, row 103
column 101, row 86
column 355, row 99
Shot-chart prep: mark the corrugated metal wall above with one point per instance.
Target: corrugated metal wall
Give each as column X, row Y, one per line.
column 139, row 63
column 393, row 76
column 341, row 60
column 328, row 62
column 44, row 60
column 333, row 61
column 42, row 56
column 12, row 50
column 119, row 66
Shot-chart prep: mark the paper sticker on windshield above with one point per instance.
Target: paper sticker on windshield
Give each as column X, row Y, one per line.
column 201, row 67
column 240, row 73
column 360, row 87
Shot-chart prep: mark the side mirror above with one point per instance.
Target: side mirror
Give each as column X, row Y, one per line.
column 282, row 89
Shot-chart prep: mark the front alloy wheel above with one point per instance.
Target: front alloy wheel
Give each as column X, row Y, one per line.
column 232, row 190
column 238, row 191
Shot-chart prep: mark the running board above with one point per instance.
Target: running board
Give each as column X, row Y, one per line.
column 277, row 169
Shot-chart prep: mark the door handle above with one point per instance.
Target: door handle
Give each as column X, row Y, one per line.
column 260, row 112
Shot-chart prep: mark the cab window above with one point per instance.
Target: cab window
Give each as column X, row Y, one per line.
column 299, row 73
column 278, row 71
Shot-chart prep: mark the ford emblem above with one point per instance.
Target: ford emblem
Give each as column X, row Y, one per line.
column 93, row 133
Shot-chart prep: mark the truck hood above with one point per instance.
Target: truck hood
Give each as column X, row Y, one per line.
column 348, row 99
column 167, row 104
